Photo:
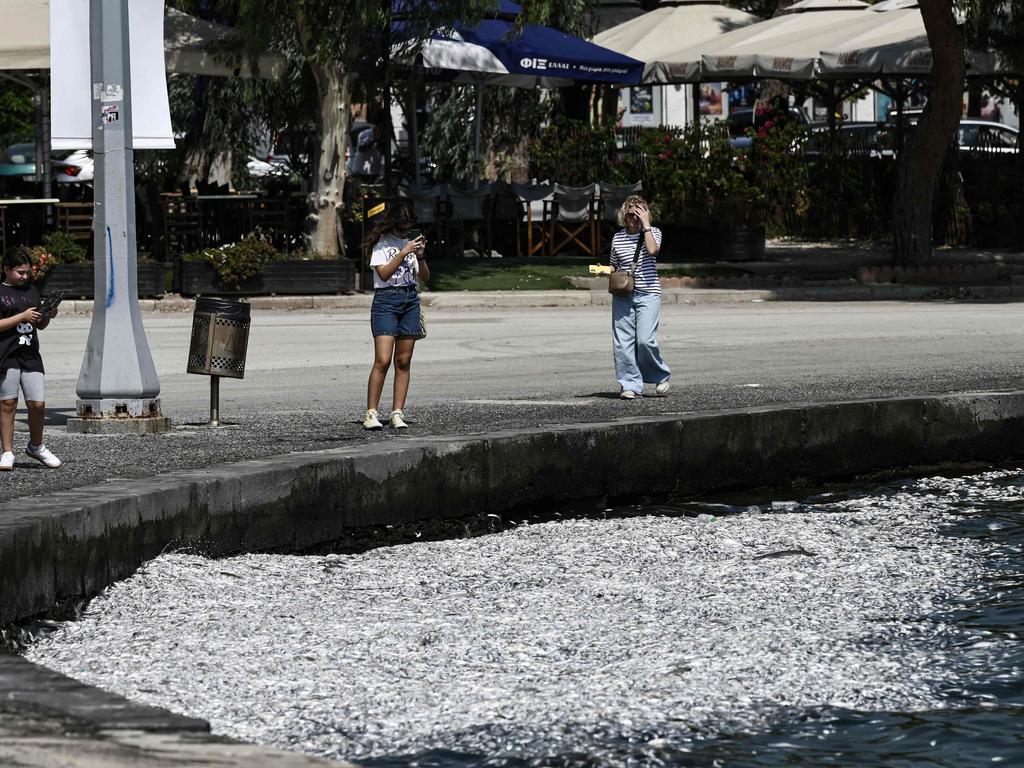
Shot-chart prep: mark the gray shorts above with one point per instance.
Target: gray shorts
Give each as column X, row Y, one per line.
column 32, row 383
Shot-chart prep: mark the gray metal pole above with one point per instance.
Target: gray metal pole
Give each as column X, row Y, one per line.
column 118, row 384
column 477, row 118
column 214, row 401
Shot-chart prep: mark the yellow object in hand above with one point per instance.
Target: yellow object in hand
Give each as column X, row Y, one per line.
column 600, row 269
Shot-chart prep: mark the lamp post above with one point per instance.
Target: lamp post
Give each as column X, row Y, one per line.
column 118, row 387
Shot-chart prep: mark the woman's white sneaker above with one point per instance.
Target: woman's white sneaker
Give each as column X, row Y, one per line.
column 43, row 455
column 398, row 420
column 662, row 388
column 7, row 461
column 627, row 394
column 372, row 420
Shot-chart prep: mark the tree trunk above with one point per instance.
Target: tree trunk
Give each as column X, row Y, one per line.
column 921, row 162
column 334, row 87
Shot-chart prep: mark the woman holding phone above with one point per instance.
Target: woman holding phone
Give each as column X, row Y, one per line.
column 635, row 317
column 397, row 259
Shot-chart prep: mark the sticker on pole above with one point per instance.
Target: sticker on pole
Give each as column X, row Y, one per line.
column 110, row 114
column 107, row 92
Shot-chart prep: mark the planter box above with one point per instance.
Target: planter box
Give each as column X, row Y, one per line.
column 278, row 277
column 78, row 280
column 710, row 243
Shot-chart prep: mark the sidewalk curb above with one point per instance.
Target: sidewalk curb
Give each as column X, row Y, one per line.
column 600, row 297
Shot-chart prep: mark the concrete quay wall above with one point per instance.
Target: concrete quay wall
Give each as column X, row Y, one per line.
column 72, row 544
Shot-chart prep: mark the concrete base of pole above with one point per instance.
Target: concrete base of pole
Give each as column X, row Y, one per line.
column 119, row 417
column 147, row 425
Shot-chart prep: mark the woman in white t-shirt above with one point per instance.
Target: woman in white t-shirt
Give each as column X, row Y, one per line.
column 396, row 261
column 635, row 318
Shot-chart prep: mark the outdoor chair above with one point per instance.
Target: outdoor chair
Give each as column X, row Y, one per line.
column 612, row 198
column 468, row 224
column 503, row 219
column 430, row 209
column 75, row 219
column 183, row 231
column 571, row 217
column 533, row 199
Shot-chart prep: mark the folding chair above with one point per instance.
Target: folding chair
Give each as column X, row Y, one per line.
column 572, row 220
column 612, row 198
column 533, row 199
column 467, row 219
column 430, row 209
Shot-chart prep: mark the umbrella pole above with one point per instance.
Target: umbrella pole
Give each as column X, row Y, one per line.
column 476, row 139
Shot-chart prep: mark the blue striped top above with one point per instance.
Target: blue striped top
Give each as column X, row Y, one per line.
column 623, row 248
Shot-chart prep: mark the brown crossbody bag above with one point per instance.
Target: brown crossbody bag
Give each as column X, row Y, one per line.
column 621, row 283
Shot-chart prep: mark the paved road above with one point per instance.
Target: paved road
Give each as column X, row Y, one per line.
column 485, row 369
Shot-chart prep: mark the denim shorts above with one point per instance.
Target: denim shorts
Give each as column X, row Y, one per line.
column 396, row 312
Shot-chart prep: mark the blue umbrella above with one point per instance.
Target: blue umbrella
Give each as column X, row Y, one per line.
column 495, row 52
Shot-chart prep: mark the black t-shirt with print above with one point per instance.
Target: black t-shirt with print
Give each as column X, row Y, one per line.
column 19, row 344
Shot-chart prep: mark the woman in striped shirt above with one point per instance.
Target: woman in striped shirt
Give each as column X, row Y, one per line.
column 635, row 317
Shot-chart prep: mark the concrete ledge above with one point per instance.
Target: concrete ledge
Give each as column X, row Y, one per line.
column 72, row 544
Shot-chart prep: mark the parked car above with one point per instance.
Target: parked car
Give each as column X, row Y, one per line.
column 73, row 166
column 270, row 165
column 739, row 120
column 859, row 138
column 986, row 136
column 69, row 166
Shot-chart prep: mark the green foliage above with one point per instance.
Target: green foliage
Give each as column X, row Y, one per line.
column 236, row 262
column 17, row 114
column 56, row 248
column 692, row 176
column 573, row 153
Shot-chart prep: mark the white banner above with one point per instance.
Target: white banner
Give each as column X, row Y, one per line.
column 71, row 80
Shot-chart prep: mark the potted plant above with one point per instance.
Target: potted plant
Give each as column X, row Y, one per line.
column 62, row 263
column 253, row 266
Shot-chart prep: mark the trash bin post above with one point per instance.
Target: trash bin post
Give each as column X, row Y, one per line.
column 220, row 339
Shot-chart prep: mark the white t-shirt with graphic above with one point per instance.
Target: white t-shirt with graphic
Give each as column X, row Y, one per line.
column 384, row 251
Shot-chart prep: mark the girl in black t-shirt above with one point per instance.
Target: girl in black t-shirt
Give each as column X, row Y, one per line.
column 21, row 366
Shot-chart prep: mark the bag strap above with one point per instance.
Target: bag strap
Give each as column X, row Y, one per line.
column 636, row 255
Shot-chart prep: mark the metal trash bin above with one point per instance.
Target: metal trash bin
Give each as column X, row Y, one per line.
column 220, row 338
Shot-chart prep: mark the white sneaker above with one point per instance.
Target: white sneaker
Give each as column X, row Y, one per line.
column 627, row 394
column 43, row 455
column 372, row 420
column 7, row 461
column 663, row 387
column 398, row 420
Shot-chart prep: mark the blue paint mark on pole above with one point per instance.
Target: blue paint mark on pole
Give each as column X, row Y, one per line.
column 110, row 284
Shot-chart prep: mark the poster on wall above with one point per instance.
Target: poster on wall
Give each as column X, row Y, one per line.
column 711, row 99
column 641, row 104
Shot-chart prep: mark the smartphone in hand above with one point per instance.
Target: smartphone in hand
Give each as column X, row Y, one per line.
column 49, row 303
column 413, row 233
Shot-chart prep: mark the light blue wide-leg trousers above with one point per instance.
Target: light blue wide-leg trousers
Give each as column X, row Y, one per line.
column 638, row 360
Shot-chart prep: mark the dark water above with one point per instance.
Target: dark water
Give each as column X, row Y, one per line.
column 982, row 724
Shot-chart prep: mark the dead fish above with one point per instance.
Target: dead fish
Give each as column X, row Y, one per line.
column 786, row 553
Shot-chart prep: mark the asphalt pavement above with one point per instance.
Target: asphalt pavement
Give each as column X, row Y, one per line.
column 486, row 369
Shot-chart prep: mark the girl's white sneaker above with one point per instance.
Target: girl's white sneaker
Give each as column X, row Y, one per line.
column 43, row 455
column 7, row 461
column 372, row 420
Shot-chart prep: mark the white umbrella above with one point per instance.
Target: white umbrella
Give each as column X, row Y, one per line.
column 895, row 44
column 657, row 36
column 780, row 47
column 191, row 45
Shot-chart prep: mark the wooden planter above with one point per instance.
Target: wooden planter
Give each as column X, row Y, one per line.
column 278, row 277
column 708, row 243
column 78, row 280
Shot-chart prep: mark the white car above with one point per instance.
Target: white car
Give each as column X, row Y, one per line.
column 986, row 136
column 271, row 165
column 73, row 166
